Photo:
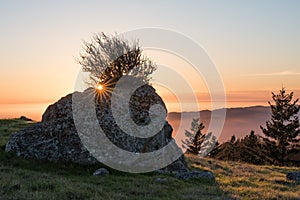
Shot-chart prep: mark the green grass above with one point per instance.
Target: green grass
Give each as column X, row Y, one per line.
column 7, row 126
column 30, row 179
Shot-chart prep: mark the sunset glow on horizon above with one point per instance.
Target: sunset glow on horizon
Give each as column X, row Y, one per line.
column 255, row 47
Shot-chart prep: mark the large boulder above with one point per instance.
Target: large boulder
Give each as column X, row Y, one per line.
column 293, row 176
column 55, row 138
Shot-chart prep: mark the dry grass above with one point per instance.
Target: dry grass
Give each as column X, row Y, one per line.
column 29, row 179
column 246, row 181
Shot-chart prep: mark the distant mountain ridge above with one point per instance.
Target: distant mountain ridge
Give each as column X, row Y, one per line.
column 239, row 121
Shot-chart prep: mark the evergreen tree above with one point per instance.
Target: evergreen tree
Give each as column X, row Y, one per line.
column 251, row 140
column 194, row 138
column 284, row 124
column 250, row 149
column 233, row 139
column 253, row 150
column 270, row 150
column 208, row 145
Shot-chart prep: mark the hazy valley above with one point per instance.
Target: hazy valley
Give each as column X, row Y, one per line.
column 238, row 121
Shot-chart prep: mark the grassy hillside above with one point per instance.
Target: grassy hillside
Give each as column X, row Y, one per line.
column 29, row 179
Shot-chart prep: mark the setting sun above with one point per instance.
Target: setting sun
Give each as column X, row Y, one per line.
column 99, row 87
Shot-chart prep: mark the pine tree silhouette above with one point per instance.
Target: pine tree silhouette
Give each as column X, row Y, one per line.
column 284, row 124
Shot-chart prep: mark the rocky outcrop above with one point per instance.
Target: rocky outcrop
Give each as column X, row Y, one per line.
column 55, row 138
column 293, row 176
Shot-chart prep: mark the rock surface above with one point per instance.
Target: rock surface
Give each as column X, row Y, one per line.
column 101, row 172
column 196, row 174
column 56, row 139
column 161, row 180
column 25, row 118
column 293, row 176
column 187, row 174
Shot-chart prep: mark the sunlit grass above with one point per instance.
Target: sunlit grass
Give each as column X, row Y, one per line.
column 29, row 179
column 248, row 181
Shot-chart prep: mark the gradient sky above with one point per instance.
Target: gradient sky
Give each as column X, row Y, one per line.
column 254, row 44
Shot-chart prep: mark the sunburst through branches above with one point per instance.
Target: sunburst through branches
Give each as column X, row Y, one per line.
column 103, row 91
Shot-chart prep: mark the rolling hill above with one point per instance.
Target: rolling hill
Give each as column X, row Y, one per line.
column 238, row 122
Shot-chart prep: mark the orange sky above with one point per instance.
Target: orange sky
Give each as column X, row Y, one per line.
column 255, row 47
